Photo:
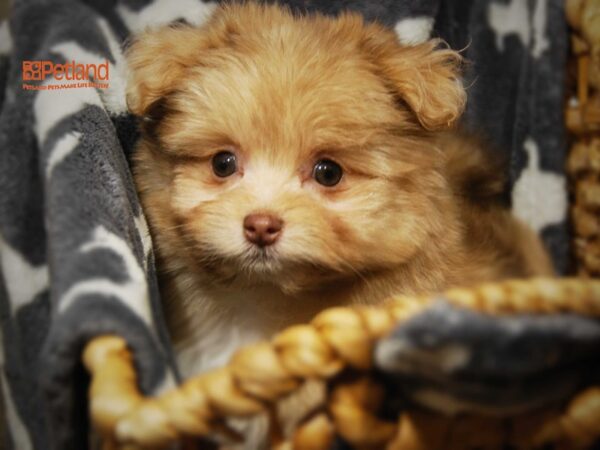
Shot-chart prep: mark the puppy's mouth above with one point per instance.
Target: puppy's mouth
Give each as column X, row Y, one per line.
column 253, row 265
column 258, row 259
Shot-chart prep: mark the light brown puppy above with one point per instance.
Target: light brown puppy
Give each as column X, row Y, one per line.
column 288, row 164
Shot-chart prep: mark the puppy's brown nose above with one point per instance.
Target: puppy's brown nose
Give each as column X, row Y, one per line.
column 262, row 229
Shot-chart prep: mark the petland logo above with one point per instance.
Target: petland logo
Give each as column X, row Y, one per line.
column 70, row 75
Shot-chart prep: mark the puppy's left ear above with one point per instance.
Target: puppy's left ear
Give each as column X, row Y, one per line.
column 427, row 77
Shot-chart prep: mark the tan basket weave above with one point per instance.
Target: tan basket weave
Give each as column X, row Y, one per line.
column 343, row 339
column 583, row 121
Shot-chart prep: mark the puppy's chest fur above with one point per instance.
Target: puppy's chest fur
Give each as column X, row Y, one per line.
column 213, row 323
column 215, row 337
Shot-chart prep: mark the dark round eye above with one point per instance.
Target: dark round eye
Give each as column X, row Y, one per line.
column 224, row 164
column 327, row 172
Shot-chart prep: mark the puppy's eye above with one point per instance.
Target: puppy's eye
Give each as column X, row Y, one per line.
column 327, row 172
column 224, row 164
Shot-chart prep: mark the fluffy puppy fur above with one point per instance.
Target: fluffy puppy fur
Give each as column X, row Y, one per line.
column 418, row 208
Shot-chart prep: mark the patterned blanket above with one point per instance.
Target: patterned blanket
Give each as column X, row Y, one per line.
column 75, row 254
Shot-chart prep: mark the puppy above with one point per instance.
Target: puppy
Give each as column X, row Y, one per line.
column 289, row 164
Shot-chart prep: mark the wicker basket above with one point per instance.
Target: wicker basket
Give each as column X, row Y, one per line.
column 343, row 339
column 583, row 121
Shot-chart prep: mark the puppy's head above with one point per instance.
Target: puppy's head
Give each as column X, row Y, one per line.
column 288, row 150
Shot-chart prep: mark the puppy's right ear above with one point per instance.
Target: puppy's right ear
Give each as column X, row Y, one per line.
column 156, row 60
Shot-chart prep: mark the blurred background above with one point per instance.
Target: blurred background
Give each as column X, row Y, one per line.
column 3, row 8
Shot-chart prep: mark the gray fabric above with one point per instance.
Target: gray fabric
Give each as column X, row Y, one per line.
column 455, row 360
column 75, row 255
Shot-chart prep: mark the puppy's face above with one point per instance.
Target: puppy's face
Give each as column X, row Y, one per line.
column 290, row 151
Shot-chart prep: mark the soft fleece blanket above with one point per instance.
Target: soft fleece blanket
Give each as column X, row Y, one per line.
column 75, row 253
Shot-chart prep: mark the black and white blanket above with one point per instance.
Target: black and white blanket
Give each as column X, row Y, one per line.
column 75, row 254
